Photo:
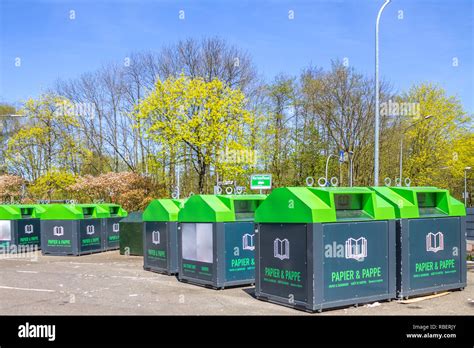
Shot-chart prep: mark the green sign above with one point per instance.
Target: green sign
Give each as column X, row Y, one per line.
column 261, row 182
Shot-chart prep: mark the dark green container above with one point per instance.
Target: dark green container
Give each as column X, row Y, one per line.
column 20, row 228
column 319, row 248
column 160, row 236
column 131, row 234
column 431, row 239
column 111, row 225
column 216, row 240
column 71, row 229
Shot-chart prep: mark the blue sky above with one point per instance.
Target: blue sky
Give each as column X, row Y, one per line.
column 420, row 47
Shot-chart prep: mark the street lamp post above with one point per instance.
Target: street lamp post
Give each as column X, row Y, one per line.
column 401, row 143
column 465, row 184
column 327, row 163
column 377, row 106
column 351, row 153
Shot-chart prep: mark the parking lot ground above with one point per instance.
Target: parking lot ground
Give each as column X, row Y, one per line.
column 113, row 284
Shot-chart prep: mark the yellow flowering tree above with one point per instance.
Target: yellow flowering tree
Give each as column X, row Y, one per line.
column 207, row 119
column 47, row 140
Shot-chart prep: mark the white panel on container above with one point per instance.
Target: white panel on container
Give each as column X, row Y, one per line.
column 188, row 248
column 204, row 242
column 5, row 230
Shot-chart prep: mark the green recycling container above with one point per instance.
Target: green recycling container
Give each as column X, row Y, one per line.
column 431, row 239
column 20, row 228
column 319, row 248
column 71, row 229
column 160, row 236
column 216, row 240
column 111, row 225
column 131, row 234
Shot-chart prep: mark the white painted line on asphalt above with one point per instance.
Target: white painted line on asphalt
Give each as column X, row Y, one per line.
column 26, row 289
column 27, row 272
column 133, row 278
column 84, row 263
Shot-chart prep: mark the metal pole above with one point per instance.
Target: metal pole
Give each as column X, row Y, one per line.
column 465, row 187
column 340, row 174
column 350, row 177
column 377, row 103
column 177, row 187
column 401, row 158
column 327, row 162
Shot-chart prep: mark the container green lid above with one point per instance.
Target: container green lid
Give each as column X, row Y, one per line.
column 20, row 211
column 40, row 209
column 416, row 202
column 220, row 208
column 9, row 212
column 74, row 212
column 163, row 210
column 114, row 210
column 323, row 204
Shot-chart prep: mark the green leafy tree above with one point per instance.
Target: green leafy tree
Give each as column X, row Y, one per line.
column 48, row 140
column 202, row 119
column 52, row 185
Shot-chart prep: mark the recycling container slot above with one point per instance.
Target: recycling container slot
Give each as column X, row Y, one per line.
column 244, row 210
column 26, row 212
column 428, row 203
column 114, row 211
column 351, row 207
column 87, row 211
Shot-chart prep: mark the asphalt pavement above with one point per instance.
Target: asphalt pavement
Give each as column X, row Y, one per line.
column 113, row 284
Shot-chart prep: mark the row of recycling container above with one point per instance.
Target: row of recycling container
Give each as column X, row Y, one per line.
column 303, row 247
column 60, row 229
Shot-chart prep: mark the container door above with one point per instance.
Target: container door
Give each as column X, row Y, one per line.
column 197, row 250
column 434, row 252
column 29, row 232
column 239, row 251
column 156, row 240
column 355, row 260
column 283, row 265
column 5, row 233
